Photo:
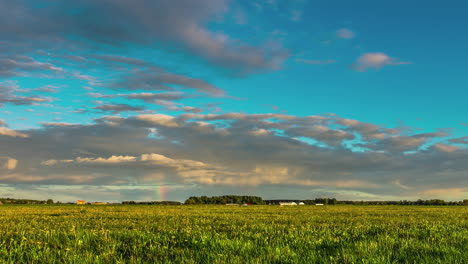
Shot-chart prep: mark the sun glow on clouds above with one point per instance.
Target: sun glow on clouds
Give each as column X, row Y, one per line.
column 8, row 163
column 12, row 133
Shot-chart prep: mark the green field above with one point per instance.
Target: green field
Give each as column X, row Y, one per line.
column 231, row 234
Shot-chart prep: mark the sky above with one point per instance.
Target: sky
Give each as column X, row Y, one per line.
column 114, row 100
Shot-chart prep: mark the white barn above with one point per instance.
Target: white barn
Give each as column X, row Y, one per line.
column 287, row 203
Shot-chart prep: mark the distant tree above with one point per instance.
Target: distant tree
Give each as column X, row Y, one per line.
column 50, row 201
column 190, row 200
column 225, row 199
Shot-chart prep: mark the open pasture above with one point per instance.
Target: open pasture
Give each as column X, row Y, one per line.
column 230, row 234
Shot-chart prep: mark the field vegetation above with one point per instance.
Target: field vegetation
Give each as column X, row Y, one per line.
column 232, row 234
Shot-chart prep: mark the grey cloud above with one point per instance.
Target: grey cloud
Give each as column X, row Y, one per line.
column 47, row 89
column 190, row 109
column 151, row 97
column 461, row 140
column 147, row 97
column 59, row 124
column 122, row 59
column 307, row 61
column 401, row 143
column 397, row 144
column 8, row 96
column 175, row 24
column 331, row 137
column 344, row 33
column 146, row 76
column 157, row 80
column 431, row 135
column 233, row 155
column 99, row 95
column 17, row 65
column 368, row 131
column 117, row 108
column 24, row 100
column 74, row 58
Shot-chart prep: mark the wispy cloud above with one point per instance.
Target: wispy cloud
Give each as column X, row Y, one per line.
column 117, row 108
column 345, row 33
column 307, row 61
column 296, row 15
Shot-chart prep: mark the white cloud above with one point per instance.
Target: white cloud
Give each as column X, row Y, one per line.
column 260, row 132
column 344, row 33
column 375, row 61
column 148, row 159
column 159, row 119
column 110, row 160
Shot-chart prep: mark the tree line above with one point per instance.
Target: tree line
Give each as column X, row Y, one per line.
column 24, row 201
column 225, row 199
column 235, row 199
column 333, row 201
column 152, row 203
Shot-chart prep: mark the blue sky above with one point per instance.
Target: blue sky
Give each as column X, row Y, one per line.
column 362, row 100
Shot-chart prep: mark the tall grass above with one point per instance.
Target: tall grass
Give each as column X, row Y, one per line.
column 228, row 234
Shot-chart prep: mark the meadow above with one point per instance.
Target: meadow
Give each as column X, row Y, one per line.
column 232, row 234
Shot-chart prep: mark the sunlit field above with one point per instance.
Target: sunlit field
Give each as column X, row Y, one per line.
column 232, row 234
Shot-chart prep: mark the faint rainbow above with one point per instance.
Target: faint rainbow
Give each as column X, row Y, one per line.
column 161, row 193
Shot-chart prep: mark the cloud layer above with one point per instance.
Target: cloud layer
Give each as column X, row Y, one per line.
column 235, row 150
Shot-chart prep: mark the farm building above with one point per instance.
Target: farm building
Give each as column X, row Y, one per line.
column 287, row 203
column 80, row 202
